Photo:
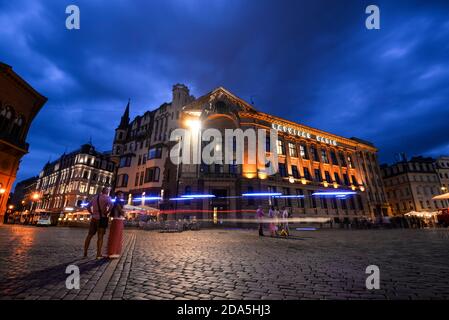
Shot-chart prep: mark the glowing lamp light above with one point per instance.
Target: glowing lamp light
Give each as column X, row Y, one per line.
column 2, row 190
column 326, row 184
column 194, row 125
column 303, row 181
column 35, row 196
column 362, row 188
column 69, row 209
column 250, row 175
column 11, row 207
column 262, row 175
column 335, row 185
column 291, row 179
column 353, row 188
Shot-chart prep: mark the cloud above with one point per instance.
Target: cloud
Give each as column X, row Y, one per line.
column 313, row 62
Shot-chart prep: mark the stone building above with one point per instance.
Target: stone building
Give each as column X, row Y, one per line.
column 141, row 147
column 442, row 168
column 310, row 161
column 23, row 193
column 71, row 180
column 411, row 184
column 19, row 104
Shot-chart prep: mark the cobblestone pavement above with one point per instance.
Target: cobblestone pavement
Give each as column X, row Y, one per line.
column 227, row 264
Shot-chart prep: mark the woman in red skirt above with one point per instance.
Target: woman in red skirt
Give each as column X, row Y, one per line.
column 116, row 231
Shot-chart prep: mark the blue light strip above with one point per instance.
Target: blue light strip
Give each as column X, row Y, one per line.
column 291, row 196
column 147, row 198
column 262, row 194
column 335, row 193
column 197, row 196
column 179, row 199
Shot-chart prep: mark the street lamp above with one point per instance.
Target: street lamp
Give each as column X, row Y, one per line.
column 443, row 188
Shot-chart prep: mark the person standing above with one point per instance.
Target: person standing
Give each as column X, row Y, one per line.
column 285, row 216
column 116, row 232
column 99, row 208
column 259, row 216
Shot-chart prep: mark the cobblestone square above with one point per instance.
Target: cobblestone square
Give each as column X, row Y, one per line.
column 227, row 264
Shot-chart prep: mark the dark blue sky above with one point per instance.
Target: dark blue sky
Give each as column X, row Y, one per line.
column 313, row 62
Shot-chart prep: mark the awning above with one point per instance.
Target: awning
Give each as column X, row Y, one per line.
column 441, row 197
column 422, row 213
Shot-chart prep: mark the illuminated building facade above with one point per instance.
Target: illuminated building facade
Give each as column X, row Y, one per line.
column 19, row 104
column 73, row 179
column 411, row 184
column 310, row 161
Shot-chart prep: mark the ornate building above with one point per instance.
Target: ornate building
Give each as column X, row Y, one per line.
column 310, row 161
column 19, row 104
column 141, row 147
column 411, row 184
column 67, row 183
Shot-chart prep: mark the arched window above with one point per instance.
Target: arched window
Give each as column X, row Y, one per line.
column 16, row 129
column 6, row 116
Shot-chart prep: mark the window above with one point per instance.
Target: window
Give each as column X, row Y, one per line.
column 267, row 144
column 152, row 174
column 136, row 182
column 324, row 157
column 334, row 158
column 300, row 194
column 295, row 172
column 123, row 180
column 288, row 200
column 141, row 178
column 282, row 169
column 334, row 203
column 354, row 180
column 350, row 163
column 346, row 179
column 280, row 147
column 337, row 178
column 312, row 199
column 323, row 202
column 314, row 153
column 318, row 177
column 342, row 159
column 303, row 151
column 155, row 153
column 293, row 151
column 328, row 176
column 125, row 162
column 343, row 204
column 307, row 174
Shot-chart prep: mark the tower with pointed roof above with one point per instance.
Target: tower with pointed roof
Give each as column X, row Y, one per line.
column 120, row 134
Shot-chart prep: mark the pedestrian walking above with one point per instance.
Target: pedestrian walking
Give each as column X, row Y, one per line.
column 259, row 217
column 115, row 239
column 99, row 208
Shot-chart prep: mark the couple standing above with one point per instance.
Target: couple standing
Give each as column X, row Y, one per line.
column 101, row 208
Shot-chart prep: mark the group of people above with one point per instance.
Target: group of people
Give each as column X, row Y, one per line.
column 101, row 208
column 277, row 221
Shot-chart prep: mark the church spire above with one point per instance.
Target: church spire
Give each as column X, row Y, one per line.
column 125, row 118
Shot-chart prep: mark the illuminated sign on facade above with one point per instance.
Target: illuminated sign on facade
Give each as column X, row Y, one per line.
column 302, row 134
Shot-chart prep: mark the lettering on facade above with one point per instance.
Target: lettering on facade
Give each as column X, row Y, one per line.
column 302, row 134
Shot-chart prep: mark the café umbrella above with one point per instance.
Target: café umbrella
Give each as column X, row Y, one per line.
column 441, row 197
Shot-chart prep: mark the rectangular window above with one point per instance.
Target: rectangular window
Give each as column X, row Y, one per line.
column 312, row 199
column 136, row 182
column 303, row 151
column 354, row 180
column 318, row 177
column 334, row 158
column 300, row 193
column 293, row 151
column 282, row 169
column 346, row 179
column 280, row 147
column 307, row 174
column 323, row 202
column 334, row 203
column 288, row 201
column 342, row 159
column 324, row 157
column 328, row 176
column 295, row 172
column 337, row 178
column 314, row 153
column 155, row 153
column 152, row 174
column 343, row 204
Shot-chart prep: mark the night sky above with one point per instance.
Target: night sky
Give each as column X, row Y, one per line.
column 313, row 62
